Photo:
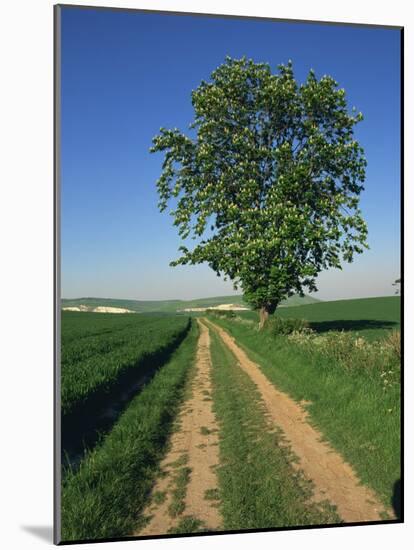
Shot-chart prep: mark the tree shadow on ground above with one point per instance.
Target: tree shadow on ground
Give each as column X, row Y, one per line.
column 396, row 499
column 351, row 325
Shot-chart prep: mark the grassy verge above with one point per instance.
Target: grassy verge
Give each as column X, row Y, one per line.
column 106, row 496
column 258, row 488
column 355, row 410
column 188, row 524
column 180, row 481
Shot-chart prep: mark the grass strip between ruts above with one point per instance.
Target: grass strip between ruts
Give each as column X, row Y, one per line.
column 258, row 486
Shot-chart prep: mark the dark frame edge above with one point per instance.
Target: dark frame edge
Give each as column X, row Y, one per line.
column 56, row 275
column 233, row 532
column 231, row 16
column 402, row 294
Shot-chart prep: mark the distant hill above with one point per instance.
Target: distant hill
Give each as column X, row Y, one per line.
column 171, row 306
column 298, row 301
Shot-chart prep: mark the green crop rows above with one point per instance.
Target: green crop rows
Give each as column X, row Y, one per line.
column 106, row 496
column 98, row 348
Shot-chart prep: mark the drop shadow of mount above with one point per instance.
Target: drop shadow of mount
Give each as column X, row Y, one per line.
column 351, row 325
column 397, row 499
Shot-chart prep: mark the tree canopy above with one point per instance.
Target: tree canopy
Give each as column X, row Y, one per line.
column 267, row 181
column 397, row 284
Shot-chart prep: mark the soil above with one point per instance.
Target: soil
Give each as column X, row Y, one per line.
column 333, row 479
column 195, row 446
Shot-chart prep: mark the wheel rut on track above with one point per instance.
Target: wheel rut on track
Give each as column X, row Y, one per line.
column 193, row 451
column 333, row 479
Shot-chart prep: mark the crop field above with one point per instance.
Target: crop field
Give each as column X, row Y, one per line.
column 370, row 317
column 103, row 497
column 106, row 360
column 98, row 348
column 201, row 444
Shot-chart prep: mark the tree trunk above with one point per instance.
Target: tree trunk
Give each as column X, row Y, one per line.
column 268, row 309
column 264, row 315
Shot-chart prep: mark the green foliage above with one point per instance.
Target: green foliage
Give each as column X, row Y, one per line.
column 188, row 524
column 397, row 284
column 270, row 183
column 212, row 494
column 277, row 325
column 158, row 497
column 97, row 348
column 381, row 359
column 229, row 314
column 106, row 497
column 180, row 482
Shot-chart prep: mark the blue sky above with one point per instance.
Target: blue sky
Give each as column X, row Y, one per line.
column 126, row 74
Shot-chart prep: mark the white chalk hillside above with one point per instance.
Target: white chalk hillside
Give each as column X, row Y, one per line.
column 98, row 309
column 221, row 307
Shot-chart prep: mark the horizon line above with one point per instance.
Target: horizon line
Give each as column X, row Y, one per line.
column 223, row 296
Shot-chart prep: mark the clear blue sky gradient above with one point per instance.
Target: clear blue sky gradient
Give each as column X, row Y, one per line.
column 126, row 74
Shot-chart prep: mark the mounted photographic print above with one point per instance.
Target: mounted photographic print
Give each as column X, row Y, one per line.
column 228, row 274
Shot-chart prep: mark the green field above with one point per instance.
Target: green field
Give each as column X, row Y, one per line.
column 106, row 496
column 350, row 387
column 171, row 306
column 370, row 317
column 98, row 348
